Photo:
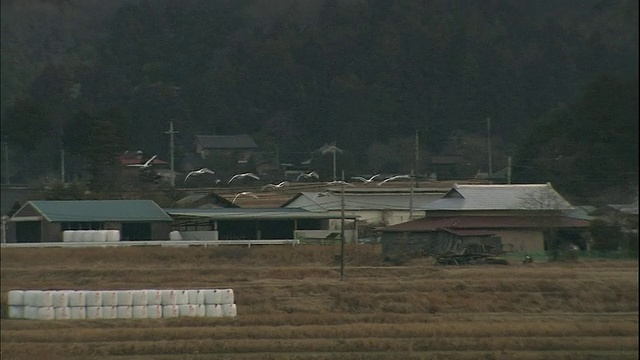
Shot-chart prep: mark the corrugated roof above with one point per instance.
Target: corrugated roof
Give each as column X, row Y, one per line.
column 254, row 213
column 100, row 210
column 324, row 201
column 501, row 197
column 486, row 222
column 242, row 141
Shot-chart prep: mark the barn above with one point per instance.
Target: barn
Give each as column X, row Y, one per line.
column 45, row 220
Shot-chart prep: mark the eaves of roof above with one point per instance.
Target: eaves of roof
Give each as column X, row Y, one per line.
column 99, row 210
column 486, row 222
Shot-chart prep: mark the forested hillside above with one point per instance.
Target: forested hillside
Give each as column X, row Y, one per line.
column 299, row 74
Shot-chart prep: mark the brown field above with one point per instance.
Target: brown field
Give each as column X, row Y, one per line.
column 292, row 305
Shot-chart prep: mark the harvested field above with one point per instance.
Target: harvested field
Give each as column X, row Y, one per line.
column 292, row 305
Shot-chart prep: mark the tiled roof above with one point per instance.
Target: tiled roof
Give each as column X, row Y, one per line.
column 99, row 210
column 486, row 222
column 242, row 141
column 501, row 197
column 319, row 201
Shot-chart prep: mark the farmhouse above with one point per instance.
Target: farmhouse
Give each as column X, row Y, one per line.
column 240, row 147
column 45, row 221
column 374, row 207
column 523, row 218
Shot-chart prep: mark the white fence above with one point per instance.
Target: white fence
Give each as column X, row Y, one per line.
column 167, row 243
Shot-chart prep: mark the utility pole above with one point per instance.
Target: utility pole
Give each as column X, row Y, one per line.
column 509, row 170
column 6, row 164
column 171, row 148
column 489, row 144
column 342, row 228
column 62, row 165
column 417, row 150
column 411, row 197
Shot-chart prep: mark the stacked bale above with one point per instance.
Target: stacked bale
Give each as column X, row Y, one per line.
column 120, row 304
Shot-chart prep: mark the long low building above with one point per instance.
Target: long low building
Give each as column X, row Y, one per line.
column 260, row 223
column 47, row 220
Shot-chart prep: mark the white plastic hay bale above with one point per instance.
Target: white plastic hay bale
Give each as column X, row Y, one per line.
column 62, row 313
column 87, row 236
column 169, row 297
column 46, row 313
column 31, row 312
column 182, row 297
column 212, row 296
column 29, row 297
column 109, row 312
column 44, row 299
column 60, row 298
column 139, row 312
column 81, row 235
column 125, row 312
column 229, row 310
column 188, row 310
column 170, row 311
column 93, row 298
column 154, row 311
column 125, row 298
column 78, row 312
column 139, row 297
column 195, row 297
column 15, row 298
column 113, row 235
column 76, row 236
column 110, row 298
column 213, row 310
column 94, row 312
column 67, row 236
column 154, row 297
column 201, row 310
column 226, row 296
column 16, row 311
column 175, row 235
column 77, row 298
column 100, row 236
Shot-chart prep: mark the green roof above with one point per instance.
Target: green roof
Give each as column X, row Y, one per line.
column 100, row 210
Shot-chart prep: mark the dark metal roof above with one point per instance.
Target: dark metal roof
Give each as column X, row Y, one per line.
column 242, row 141
column 486, row 222
column 97, row 210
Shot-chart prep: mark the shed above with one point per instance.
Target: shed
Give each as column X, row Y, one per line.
column 45, row 220
column 256, row 224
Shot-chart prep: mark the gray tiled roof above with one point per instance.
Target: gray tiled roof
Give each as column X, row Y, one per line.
column 315, row 201
column 99, row 210
column 242, row 141
column 501, row 197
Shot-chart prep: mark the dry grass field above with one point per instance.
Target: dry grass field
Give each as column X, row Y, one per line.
column 292, row 305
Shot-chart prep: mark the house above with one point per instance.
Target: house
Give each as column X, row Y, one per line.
column 45, row 221
column 524, row 218
column 204, row 201
column 447, row 166
column 374, row 207
column 239, row 147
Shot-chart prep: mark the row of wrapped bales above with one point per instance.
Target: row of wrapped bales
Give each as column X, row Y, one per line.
column 90, row 235
column 117, row 304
